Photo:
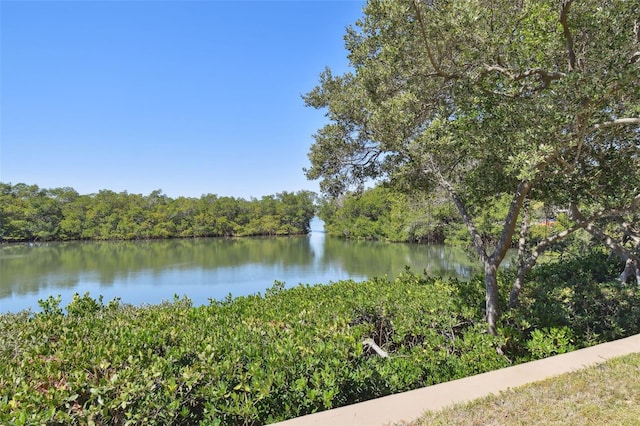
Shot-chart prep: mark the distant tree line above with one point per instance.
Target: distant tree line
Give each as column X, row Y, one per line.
column 383, row 213
column 30, row 213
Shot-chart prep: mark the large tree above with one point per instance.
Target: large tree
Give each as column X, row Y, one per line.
column 537, row 99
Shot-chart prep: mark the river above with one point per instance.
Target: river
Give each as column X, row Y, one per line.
column 149, row 272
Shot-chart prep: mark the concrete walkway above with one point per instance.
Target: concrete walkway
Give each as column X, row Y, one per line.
column 408, row 406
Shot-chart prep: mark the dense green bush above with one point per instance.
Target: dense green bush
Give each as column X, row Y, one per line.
column 259, row 359
column 250, row 360
column 576, row 302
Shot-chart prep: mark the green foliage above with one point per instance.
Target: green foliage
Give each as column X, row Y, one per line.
column 250, row 360
column 255, row 360
column 574, row 301
column 51, row 305
column 550, row 341
column 490, row 100
column 28, row 213
column 381, row 213
column 485, row 94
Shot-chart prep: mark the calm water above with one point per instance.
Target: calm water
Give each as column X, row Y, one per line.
column 152, row 271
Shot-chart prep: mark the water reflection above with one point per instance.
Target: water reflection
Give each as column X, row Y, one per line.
column 153, row 271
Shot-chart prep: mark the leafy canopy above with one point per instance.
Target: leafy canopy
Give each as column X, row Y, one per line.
column 486, row 94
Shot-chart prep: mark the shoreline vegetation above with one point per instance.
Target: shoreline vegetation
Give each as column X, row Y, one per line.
column 33, row 214
column 382, row 213
column 263, row 358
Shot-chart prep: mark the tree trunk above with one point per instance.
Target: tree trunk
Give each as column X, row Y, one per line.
column 523, row 256
column 492, row 310
column 491, row 263
column 631, row 267
column 630, row 270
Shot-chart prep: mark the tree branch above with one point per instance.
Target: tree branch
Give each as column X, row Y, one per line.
column 525, row 265
column 427, row 46
column 590, row 227
column 522, row 251
column 617, row 122
column 546, row 77
column 510, row 221
column 544, row 74
column 581, row 223
column 564, row 12
column 462, row 209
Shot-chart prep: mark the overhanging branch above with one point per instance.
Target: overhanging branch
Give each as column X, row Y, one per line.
column 427, row 45
column 510, row 221
column 460, row 205
column 564, row 12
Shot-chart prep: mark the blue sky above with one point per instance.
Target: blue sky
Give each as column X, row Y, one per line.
column 190, row 97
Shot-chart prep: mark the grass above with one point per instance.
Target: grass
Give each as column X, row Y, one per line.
column 605, row 394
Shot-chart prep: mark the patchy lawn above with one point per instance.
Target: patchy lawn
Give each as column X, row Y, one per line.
column 606, row 394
